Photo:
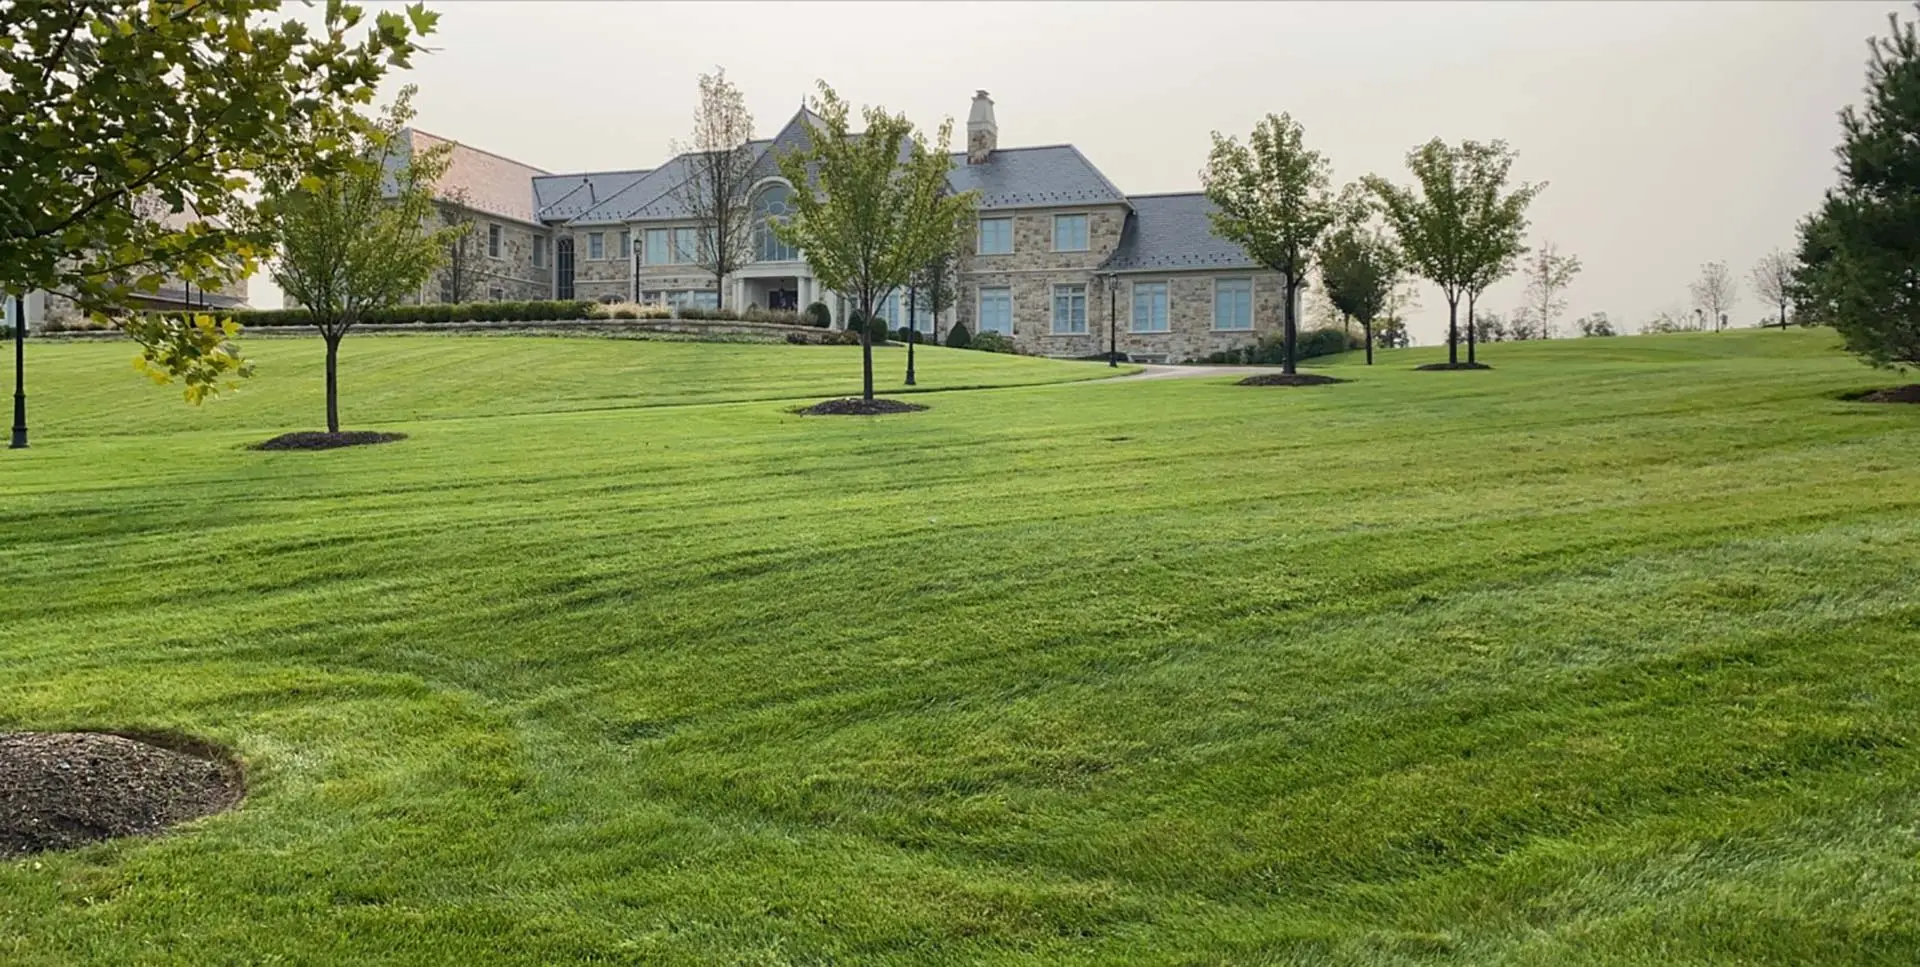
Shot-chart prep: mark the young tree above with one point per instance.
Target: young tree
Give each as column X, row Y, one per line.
column 88, row 126
column 1595, row 325
column 932, row 289
column 1496, row 222
column 1714, row 293
column 1431, row 223
column 1270, row 196
column 357, row 240
column 1773, row 281
column 1488, row 327
column 1549, row 273
column 1359, row 266
column 717, row 192
column 460, row 276
column 870, row 210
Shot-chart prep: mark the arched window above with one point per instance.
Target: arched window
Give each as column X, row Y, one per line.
column 771, row 204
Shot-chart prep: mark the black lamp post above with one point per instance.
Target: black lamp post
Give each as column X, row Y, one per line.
column 19, row 374
column 913, row 328
column 1113, row 330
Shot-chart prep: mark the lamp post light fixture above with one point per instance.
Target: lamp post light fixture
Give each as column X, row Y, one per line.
column 1113, row 330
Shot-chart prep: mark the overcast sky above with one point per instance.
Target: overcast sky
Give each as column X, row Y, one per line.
column 1670, row 134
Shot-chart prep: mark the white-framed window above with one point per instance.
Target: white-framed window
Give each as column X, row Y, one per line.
column 493, row 240
column 686, row 245
column 1069, row 233
column 996, row 236
column 996, row 310
column 889, row 309
column 1149, row 307
column 596, row 245
column 682, row 298
column 772, row 204
column 1069, row 309
column 658, row 250
column 626, row 244
column 539, row 251
column 496, row 294
column 1233, row 304
column 920, row 311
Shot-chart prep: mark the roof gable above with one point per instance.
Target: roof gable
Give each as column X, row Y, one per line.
column 492, row 184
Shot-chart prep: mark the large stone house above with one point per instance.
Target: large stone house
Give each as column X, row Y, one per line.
column 1061, row 259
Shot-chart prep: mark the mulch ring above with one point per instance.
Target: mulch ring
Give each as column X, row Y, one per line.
column 1288, row 379
column 855, row 406
column 1440, row 366
column 319, row 440
column 59, row 790
column 1909, row 393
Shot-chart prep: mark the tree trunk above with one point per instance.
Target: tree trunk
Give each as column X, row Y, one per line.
column 1472, row 297
column 1783, row 317
column 1290, row 330
column 1346, row 324
column 866, row 350
column 1366, row 329
column 1453, row 330
column 333, row 384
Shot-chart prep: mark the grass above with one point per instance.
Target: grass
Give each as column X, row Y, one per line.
column 1606, row 656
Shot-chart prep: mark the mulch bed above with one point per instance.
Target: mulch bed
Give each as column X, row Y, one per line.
column 855, row 406
column 318, row 440
column 59, row 790
column 1439, row 366
column 1288, row 379
column 1909, row 393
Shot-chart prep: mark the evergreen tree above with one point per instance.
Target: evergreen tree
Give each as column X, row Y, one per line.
column 1860, row 252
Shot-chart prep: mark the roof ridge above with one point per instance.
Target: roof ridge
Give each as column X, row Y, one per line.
column 1168, row 194
column 469, row 147
column 589, row 174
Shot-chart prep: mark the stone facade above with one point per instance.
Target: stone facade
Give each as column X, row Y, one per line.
column 513, row 274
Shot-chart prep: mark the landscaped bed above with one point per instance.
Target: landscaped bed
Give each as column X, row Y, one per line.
column 1909, row 393
column 855, row 406
column 322, row 440
column 64, row 789
column 1289, row 379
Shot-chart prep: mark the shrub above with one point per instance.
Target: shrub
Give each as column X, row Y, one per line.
column 796, row 339
column 909, row 334
column 877, row 330
column 993, row 342
column 847, row 337
column 625, row 313
column 1325, row 342
column 958, row 337
column 781, row 316
column 818, row 316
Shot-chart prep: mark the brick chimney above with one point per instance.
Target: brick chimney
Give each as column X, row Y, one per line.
column 983, row 134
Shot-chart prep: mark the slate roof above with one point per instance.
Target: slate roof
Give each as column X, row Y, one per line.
column 1173, row 232
column 1044, row 176
column 560, row 197
column 496, row 185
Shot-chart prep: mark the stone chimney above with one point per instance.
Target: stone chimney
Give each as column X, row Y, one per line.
column 983, row 135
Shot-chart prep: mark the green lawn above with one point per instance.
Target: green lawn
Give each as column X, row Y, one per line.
column 1610, row 655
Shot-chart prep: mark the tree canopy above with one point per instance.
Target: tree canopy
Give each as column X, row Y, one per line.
column 1271, row 197
column 1859, row 250
column 1360, row 265
column 870, row 209
column 113, row 109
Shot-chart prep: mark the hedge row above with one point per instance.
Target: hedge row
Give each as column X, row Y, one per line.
column 1270, row 350
column 443, row 312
